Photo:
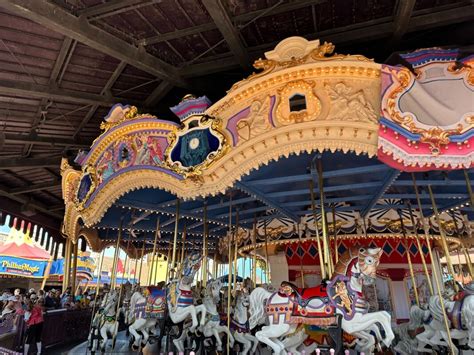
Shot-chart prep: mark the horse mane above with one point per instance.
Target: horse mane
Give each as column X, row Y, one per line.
column 346, row 260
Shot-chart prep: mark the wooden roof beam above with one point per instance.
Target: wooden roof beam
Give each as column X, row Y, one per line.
column 366, row 31
column 401, row 20
column 41, row 140
column 35, row 187
column 106, row 90
column 18, row 163
column 28, row 89
column 231, row 35
column 59, row 20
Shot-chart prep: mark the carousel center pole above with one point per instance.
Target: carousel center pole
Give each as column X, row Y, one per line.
column 204, row 246
column 315, row 219
column 433, row 268
column 420, row 249
column 150, row 272
column 327, row 247
column 410, row 265
column 116, row 256
column 175, row 239
column 444, row 243
column 229, row 279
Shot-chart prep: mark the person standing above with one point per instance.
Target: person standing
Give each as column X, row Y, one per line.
column 34, row 323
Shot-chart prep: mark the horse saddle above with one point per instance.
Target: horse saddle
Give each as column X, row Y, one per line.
column 303, row 296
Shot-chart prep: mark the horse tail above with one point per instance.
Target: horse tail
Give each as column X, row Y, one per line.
column 258, row 299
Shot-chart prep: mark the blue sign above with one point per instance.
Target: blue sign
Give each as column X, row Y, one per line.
column 22, row 267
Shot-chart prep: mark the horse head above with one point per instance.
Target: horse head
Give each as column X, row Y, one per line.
column 213, row 289
column 242, row 298
column 368, row 260
column 191, row 266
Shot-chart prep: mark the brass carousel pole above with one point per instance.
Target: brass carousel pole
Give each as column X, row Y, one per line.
column 183, row 247
column 267, row 272
column 157, row 255
column 410, row 265
column 336, row 248
column 229, row 280
column 141, row 264
column 434, row 269
column 469, row 189
column 116, row 255
column 300, row 257
column 175, row 239
column 315, row 218
column 121, row 284
column 204, row 247
column 74, row 268
column 150, row 272
column 327, row 248
column 254, row 257
column 167, row 278
column 236, row 240
column 67, row 259
column 67, row 264
column 463, row 248
column 420, row 249
column 444, row 243
column 101, row 262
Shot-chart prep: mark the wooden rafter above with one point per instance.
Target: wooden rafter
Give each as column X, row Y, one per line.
column 57, row 19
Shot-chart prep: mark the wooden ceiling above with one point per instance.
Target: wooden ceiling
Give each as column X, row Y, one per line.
column 63, row 63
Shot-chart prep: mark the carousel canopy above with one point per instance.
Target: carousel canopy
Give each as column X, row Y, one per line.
column 307, row 125
column 65, row 63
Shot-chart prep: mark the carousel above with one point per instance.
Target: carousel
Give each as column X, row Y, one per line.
column 346, row 181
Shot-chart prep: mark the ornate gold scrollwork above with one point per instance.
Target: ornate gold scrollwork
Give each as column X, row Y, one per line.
column 298, row 87
column 87, row 171
column 193, row 172
column 436, row 136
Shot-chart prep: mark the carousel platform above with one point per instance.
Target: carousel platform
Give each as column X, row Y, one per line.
column 121, row 347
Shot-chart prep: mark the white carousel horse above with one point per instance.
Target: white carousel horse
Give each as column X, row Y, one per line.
column 291, row 306
column 407, row 344
column 180, row 297
column 239, row 323
column 212, row 326
column 461, row 321
column 294, row 343
column 105, row 323
column 145, row 311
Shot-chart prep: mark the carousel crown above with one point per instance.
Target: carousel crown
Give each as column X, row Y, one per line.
column 190, row 106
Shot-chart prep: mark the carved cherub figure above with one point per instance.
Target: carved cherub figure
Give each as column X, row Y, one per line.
column 342, row 293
